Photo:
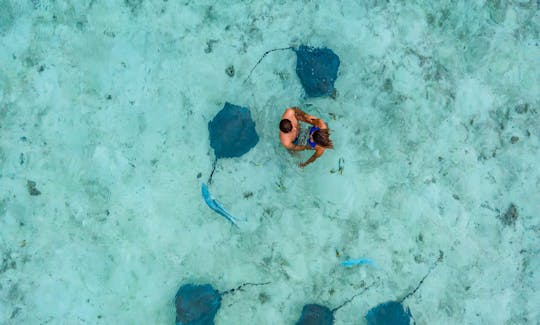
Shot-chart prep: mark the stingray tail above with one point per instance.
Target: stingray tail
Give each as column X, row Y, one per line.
column 262, row 57
column 213, row 170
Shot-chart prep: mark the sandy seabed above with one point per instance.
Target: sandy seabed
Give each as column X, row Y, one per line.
column 104, row 111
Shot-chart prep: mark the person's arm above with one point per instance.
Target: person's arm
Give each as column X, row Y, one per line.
column 295, row 147
column 316, row 154
column 305, row 117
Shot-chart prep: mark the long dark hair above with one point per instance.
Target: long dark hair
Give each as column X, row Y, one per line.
column 322, row 138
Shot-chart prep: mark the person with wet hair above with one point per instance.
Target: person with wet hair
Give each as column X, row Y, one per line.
column 295, row 137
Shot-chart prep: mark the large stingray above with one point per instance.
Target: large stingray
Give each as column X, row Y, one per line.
column 391, row 312
column 198, row 304
column 314, row 314
column 232, row 133
column 317, row 69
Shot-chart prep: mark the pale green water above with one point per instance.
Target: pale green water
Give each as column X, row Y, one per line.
column 105, row 105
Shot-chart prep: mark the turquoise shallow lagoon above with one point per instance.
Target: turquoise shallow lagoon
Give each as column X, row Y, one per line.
column 104, row 144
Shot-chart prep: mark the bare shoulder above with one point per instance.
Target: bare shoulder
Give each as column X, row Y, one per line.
column 289, row 112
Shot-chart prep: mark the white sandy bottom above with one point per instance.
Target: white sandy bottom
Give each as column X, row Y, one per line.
column 106, row 109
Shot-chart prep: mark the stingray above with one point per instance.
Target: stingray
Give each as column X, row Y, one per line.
column 316, row 68
column 393, row 312
column 389, row 313
column 314, row 314
column 232, row 133
column 198, row 304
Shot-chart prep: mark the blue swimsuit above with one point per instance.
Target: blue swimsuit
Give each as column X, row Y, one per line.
column 304, row 134
column 312, row 144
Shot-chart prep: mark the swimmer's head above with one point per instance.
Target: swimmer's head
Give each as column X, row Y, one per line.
column 285, row 126
column 322, row 138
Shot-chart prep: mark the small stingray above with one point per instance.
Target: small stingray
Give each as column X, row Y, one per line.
column 196, row 304
column 199, row 304
column 392, row 312
column 317, row 69
column 314, row 314
column 232, row 133
column 389, row 313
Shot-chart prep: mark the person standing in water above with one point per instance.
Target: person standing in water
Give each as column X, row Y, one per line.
column 294, row 137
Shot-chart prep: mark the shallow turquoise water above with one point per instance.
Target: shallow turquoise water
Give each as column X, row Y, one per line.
column 105, row 106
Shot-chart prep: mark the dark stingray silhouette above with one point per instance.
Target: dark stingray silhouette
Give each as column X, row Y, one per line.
column 389, row 313
column 314, row 314
column 317, row 69
column 198, row 304
column 232, row 133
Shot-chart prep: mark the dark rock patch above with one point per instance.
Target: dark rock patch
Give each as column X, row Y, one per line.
column 230, row 71
column 7, row 262
column 510, row 216
column 31, row 187
column 210, row 46
column 133, row 5
column 522, row 108
column 6, row 16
